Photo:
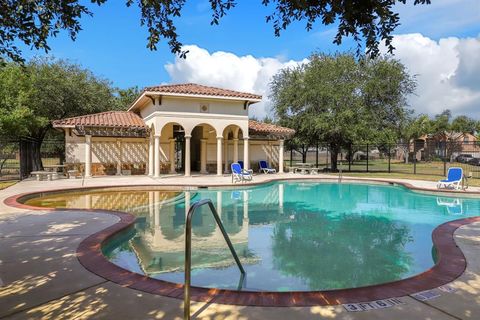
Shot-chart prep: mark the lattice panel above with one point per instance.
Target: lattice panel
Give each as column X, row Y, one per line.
column 106, row 152
column 272, row 151
column 134, row 152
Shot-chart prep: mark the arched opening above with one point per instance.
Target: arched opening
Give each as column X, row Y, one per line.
column 203, row 148
column 232, row 146
column 172, row 148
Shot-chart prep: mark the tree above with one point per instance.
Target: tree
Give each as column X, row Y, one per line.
column 340, row 100
column 413, row 128
column 287, row 86
column 34, row 22
column 125, row 97
column 441, row 123
column 33, row 95
column 464, row 124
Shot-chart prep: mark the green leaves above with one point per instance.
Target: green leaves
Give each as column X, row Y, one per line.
column 339, row 99
column 46, row 89
column 33, row 22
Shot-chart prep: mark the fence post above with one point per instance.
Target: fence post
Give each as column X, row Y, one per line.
column 316, row 157
column 327, row 157
column 350, row 158
column 25, row 147
column 291, row 157
column 445, row 159
column 414, row 157
column 367, row 157
column 389, row 158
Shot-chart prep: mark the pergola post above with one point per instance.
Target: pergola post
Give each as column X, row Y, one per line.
column 187, row 155
column 171, row 155
column 88, row 156
column 203, row 156
column 246, row 159
column 225, row 154
column 156, row 147
column 150, row 156
column 235, row 149
column 119, row 159
column 281, row 151
column 219, row 155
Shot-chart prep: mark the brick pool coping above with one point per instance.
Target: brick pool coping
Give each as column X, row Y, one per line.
column 450, row 265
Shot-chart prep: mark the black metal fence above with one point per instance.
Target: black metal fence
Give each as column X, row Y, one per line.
column 18, row 158
column 422, row 158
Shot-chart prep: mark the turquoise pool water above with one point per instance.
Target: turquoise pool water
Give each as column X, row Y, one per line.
column 290, row 236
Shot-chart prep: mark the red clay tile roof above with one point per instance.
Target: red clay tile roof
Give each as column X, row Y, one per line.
column 262, row 129
column 197, row 89
column 110, row 119
column 130, row 120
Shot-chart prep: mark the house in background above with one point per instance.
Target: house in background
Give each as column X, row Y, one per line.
column 171, row 129
column 445, row 144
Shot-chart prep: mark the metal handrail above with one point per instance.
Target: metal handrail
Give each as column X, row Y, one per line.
column 188, row 250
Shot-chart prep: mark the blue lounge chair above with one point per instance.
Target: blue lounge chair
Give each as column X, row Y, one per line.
column 265, row 168
column 454, row 206
column 454, row 179
column 239, row 174
column 240, row 162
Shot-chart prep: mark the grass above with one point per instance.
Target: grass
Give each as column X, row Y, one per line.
column 429, row 171
column 6, row 184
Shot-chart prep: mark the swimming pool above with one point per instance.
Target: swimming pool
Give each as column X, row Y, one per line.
column 290, row 236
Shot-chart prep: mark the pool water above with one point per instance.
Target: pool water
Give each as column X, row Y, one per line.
column 290, row 236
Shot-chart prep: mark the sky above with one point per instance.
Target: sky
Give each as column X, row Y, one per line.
column 438, row 43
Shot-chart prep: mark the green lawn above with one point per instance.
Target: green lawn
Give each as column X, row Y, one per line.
column 430, row 171
column 6, row 184
column 395, row 175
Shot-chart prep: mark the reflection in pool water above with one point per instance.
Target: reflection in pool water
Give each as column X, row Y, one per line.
column 289, row 235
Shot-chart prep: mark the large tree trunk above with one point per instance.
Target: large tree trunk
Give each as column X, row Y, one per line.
column 37, row 140
column 406, row 154
column 37, row 164
column 334, row 151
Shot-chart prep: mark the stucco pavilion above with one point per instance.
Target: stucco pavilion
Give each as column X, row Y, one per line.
column 172, row 129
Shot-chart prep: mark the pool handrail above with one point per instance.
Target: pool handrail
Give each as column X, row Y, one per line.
column 188, row 250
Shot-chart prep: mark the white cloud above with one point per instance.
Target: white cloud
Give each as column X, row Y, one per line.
column 448, row 73
column 227, row 70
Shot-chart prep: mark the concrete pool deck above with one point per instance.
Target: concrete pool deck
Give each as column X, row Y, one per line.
column 41, row 277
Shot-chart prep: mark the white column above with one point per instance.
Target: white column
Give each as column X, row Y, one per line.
column 88, row 201
column 156, row 147
column 187, row 155
column 281, row 151
column 269, row 153
column 203, row 156
column 280, row 197
column 246, row 159
column 150, row 156
column 119, row 160
column 151, row 207
column 219, row 155
column 187, row 202
column 245, row 207
column 225, row 154
column 156, row 209
column 235, row 149
column 219, row 203
column 172, row 155
column 88, row 156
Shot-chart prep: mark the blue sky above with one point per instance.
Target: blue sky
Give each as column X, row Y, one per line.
column 113, row 44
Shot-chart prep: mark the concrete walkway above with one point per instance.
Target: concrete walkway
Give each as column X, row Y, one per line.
column 41, row 278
